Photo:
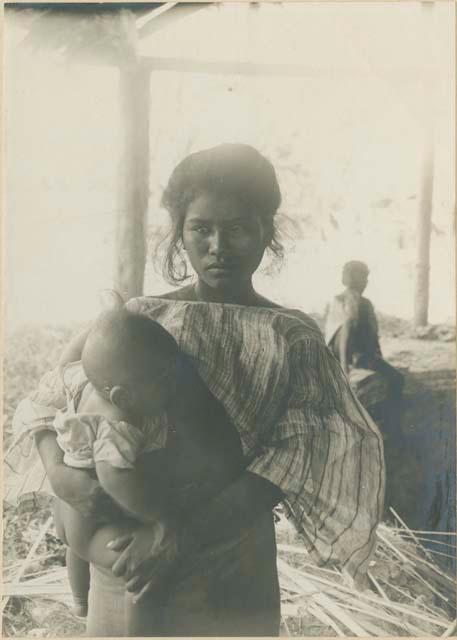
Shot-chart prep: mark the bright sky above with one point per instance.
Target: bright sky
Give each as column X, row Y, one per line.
column 351, row 128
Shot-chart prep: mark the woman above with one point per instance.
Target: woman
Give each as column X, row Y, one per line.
column 214, row 571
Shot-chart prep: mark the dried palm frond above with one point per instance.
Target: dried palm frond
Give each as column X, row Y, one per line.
column 410, row 595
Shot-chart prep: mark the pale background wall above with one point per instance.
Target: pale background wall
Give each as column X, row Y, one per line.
column 346, row 142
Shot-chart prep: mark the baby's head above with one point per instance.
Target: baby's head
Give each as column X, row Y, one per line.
column 131, row 360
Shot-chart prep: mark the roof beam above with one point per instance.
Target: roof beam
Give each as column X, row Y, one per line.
column 168, row 15
column 142, row 21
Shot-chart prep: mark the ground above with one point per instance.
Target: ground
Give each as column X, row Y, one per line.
column 421, row 461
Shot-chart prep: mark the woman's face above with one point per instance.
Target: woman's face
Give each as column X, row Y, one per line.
column 224, row 240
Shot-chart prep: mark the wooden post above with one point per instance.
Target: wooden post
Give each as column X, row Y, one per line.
column 134, row 90
column 424, row 230
column 134, row 85
column 424, row 222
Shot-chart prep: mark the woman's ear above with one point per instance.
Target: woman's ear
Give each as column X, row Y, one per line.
column 120, row 398
column 111, row 300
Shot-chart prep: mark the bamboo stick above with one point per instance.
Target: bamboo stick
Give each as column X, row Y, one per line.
column 323, row 600
column 421, row 539
column 394, row 623
column 431, row 565
column 405, row 594
column 340, row 615
column 405, row 526
column 50, row 576
column 322, row 570
column 394, row 549
column 440, row 553
column 325, row 619
column 301, row 582
column 297, row 611
column 373, row 629
column 378, row 586
column 286, row 626
column 291, row 610
column 401, row 624
column 337, row 590
column 450, row 630
column 292, row 549
column 434, row 533
column 374, row 613
column 424, row 581
column 405, row 609
column 9, row 567
column 379, row 611
column 24, row 589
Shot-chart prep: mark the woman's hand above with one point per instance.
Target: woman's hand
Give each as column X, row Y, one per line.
column 147, row 554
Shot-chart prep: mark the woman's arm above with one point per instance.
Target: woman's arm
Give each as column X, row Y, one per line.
column 235, row 509
column 128, row 487
column 77, row 487
column 352, row 314
column 148, row 551
column 344, row 337
column 73, row 351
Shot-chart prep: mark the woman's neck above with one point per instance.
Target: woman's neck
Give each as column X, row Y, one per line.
column 243, row 295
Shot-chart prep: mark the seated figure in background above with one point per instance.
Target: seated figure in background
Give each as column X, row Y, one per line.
column 352, row 332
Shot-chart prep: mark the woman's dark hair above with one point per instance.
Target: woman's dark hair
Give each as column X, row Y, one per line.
column 225, row 169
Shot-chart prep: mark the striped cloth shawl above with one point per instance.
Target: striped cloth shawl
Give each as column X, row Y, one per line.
column 300, row 425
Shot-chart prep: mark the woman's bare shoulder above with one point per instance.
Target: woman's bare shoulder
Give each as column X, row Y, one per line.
column 266, row 303
column 183, row 293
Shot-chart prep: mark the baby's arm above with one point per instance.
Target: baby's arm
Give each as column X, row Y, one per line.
column 130, row 489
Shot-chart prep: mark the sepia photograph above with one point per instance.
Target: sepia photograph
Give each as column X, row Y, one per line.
column 229, row 312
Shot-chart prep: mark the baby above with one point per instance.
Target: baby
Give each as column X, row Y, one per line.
column 130, row 364
column 128, row 371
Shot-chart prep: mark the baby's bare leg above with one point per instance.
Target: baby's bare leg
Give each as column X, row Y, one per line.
column 97, row 551
column 79, row 578
column 77, row 568
column 87, row 538
column 75, row 529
